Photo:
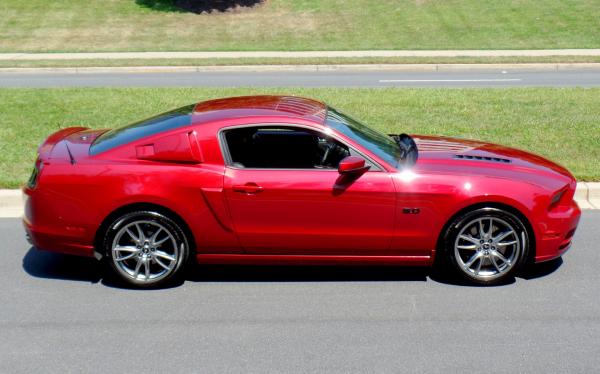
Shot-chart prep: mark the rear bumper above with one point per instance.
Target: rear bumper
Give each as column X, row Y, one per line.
column 557, row 232
column 48, row 231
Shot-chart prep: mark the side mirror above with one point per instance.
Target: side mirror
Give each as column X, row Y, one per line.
column 352, row 165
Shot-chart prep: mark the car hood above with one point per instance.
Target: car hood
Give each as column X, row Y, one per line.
column 476, row 154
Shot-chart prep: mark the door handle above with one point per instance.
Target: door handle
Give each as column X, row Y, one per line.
column 248, row 188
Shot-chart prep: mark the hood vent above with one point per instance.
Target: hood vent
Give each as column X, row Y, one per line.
column 483, row 158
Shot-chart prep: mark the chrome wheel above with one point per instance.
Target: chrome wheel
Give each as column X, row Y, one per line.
column 145, row 251
column 487, row 248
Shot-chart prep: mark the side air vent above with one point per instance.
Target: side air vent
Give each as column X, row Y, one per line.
column 483, row 158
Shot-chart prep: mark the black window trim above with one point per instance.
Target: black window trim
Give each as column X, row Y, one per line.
column 375, row 166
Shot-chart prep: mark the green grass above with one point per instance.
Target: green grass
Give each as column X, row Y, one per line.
column 294, row 61
column 126, row 25
column 562, row 124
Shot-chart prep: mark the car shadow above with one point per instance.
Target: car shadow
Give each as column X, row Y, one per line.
column 289, row 273
column 41, row 264
column 542, row 269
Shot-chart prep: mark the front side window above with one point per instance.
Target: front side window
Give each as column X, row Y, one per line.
column 282, row 148
column 380, row 144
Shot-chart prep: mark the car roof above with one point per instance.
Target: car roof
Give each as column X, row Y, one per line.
column 259, row 106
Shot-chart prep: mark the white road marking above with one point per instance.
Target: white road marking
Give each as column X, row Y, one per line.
column 450, row 80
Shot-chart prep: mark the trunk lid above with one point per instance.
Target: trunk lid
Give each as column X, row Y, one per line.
column 69, row 144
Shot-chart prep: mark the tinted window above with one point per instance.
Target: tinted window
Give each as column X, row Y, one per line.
column 380, row 144
column 283, row 148
column 126, row 134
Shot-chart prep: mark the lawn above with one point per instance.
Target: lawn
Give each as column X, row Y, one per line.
column 139, row 25
column 293, row 61
column 562, row 124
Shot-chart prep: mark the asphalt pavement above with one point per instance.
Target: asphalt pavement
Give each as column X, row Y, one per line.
column 58, row 315
column 332, row 78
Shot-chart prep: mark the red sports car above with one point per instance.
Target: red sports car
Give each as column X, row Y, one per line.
column 288, row 180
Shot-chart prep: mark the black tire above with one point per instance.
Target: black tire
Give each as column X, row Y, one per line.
column 477, row 255
column 155, row 245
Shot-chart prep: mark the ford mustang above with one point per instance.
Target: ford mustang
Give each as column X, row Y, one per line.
column 288, row 180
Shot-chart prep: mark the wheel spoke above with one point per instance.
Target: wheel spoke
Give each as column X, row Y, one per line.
column 491, row 230
column 469, row 247
column 481, row 234
column 472, row 259
column 126, row 248
column 495, row 264
column 141, row 235
column 147, row 269
column 504, row 244
column 503, row 235
column 133, row 236
column 479, row 264
column 126, row 257
column 155, row 235
column 501, row 257
column 162, row 241
column 469, row 239
column 164, row 255
column 158, row 261
column 136, row 272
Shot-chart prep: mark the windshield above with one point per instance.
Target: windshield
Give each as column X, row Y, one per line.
column 126, row 134
column 380, row 144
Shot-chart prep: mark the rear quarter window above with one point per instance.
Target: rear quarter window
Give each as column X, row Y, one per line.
column 163, row 122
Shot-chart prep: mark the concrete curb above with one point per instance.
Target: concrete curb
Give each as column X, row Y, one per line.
column 587, row 196
column 11, row 203
column 305, row 68
column 298, row 54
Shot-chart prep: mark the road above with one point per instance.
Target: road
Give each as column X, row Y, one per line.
column 58, row 315
column 458, row 78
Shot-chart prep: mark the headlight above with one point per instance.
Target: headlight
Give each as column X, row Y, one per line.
column 556, row 198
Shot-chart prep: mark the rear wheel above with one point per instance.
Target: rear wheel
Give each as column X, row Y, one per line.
column 146, row 248
column 487, row 246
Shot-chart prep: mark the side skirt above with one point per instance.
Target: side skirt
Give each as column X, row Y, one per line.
column 248, row 259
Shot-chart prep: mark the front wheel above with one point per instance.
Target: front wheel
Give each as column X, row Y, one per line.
column 487, row 246
column 145, row 248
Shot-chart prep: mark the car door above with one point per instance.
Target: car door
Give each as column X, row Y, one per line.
column 303, row 210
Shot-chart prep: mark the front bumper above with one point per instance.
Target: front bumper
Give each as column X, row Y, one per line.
column 557, row 231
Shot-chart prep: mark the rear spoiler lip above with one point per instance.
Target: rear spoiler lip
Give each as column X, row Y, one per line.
column 48, row 145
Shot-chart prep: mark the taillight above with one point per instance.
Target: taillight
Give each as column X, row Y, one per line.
column 35, row 175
